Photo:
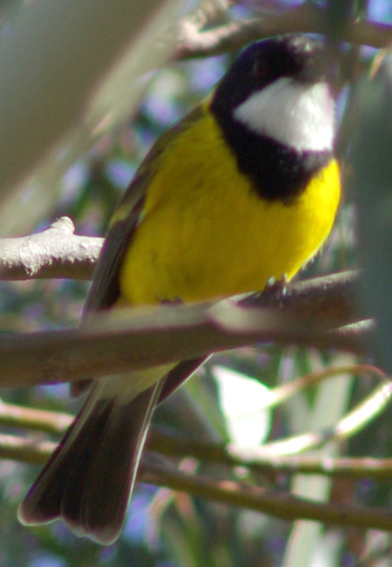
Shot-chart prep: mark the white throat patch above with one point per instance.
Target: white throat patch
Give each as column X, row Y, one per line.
column 298, row 115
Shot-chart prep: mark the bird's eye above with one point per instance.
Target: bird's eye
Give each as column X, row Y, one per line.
column 260, row 69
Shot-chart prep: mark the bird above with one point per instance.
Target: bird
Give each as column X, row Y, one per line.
column 242, row 190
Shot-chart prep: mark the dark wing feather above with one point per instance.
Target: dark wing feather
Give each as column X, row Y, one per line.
column 105, row 291
column 105, row 288
column 89, row 479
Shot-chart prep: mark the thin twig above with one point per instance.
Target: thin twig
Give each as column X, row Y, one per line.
column 234, row 456
column 307, row 18
column 276, row 503
column 280, row 394
column 273, row 502
column 38, row 420
column 38, row 451
column 35, row 452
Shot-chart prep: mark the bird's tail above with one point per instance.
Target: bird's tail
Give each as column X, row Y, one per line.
column 88, row 481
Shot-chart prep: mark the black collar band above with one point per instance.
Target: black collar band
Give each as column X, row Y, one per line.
column 279, row 173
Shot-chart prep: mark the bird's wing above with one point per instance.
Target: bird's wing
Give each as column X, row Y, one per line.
column 105, row 288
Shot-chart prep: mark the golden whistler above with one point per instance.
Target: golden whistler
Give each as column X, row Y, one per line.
column 243, row 189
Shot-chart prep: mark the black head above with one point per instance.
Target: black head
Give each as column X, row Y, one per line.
column 260, row 64
column 276, row 112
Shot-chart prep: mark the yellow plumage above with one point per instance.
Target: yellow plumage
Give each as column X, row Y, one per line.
column 205, row 232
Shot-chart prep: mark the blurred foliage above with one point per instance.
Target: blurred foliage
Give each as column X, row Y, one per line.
column 167, row 529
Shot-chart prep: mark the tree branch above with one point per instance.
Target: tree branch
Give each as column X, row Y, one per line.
column 34, row 452
column 144, row 337
column 37, row 451
column 273, row 457
column 55, row 252
column 53, row 422
column 273, row 502
column 230, row 492
column 307, row 18
column 319, row 312
column 267, row 464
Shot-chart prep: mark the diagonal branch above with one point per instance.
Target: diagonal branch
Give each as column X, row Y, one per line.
column 273, row 502
column 141, row 338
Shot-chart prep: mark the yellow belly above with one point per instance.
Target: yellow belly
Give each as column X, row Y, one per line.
column 205, row 233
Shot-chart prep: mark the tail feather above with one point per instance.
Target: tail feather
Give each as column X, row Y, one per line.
column 89, row 479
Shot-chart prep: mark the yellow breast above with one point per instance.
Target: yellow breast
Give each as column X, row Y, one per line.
column 205, row 232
